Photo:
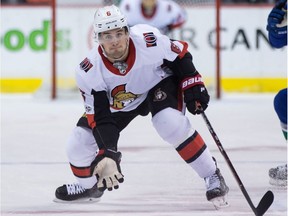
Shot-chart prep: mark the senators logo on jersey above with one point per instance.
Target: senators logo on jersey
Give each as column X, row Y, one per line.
column 121, row 98
column 159, row 95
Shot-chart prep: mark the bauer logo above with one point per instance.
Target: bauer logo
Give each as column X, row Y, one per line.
column 86, row 65
column 191, row 81
column 150, row 39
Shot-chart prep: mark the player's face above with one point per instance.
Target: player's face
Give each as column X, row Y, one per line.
column 114, row 42
column 149, row 4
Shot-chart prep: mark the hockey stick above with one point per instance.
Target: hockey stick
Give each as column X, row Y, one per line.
column 266, row 200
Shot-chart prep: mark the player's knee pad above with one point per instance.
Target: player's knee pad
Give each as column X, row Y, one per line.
column 172, row 126
column 81, row 147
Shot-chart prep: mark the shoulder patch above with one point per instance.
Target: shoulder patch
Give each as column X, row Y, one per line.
column 175, row 48
column 86, row 65
column 150, row 39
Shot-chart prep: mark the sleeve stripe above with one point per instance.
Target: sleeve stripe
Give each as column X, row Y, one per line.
column 184, row 50
column 91, row 120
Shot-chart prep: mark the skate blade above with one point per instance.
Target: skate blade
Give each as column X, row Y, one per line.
column 84, row 200
column 220, row 202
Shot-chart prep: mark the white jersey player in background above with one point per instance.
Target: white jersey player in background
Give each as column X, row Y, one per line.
column 135, row 72
column 165, row 15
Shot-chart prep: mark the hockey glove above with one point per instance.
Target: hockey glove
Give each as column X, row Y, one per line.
column 106, row 167
column 276, row 26
column 195, row 93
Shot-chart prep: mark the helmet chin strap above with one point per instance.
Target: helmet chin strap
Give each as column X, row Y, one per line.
column 112, row 59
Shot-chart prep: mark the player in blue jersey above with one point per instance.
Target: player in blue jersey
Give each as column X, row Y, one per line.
column 277, row 32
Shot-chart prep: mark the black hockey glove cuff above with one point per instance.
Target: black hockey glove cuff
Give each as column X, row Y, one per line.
column 195, row 94
column 106, row 167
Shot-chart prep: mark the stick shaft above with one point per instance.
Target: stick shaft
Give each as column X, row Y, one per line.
column 218, row 143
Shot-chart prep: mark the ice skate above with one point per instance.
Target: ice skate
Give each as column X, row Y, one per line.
column 278, row 176
column 216, row 190
column 75, row 193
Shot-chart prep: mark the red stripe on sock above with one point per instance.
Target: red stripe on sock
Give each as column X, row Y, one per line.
column 81, row 172
column 192, row 148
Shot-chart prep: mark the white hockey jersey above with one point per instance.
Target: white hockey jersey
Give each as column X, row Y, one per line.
column 167, row 13
column 127, row 90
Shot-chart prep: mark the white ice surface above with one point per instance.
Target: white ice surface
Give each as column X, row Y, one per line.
column 34, row 131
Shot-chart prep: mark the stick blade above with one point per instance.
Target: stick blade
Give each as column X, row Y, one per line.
column 265, row 203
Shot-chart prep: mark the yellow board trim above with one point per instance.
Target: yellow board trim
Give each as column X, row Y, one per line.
column 20, row 85
column 253, row 85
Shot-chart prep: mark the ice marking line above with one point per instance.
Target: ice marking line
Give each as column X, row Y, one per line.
column 33, row 163
column 133, row 162
column 256, row 148
column 126, row 212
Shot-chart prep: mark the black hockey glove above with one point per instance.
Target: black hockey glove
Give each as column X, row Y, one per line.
column 106, row 167
column 195, row 94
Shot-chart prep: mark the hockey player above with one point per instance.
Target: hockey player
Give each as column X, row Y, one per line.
column 277, row 32
column 278, row 175
column 135, row 72
column 165, row 15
